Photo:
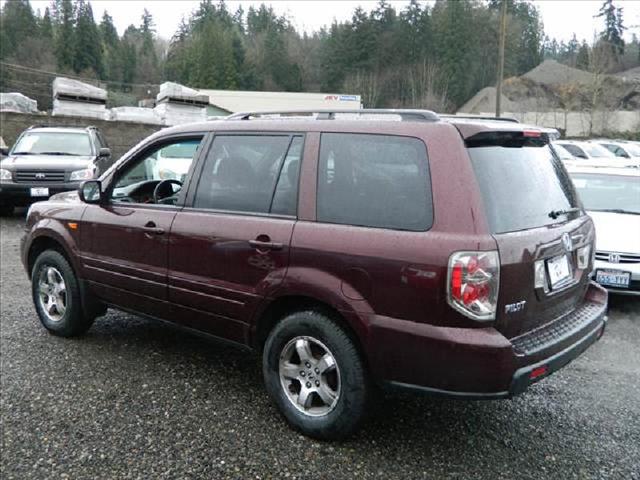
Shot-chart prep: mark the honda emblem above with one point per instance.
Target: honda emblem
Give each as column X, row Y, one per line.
column 614, row 258
column 566, row 242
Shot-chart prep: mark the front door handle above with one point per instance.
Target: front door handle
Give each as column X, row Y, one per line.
column 263, row 245
column 151, row 228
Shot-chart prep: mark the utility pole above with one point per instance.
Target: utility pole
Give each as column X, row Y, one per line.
column 503, row 34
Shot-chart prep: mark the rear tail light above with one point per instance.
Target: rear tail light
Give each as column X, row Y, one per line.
column 583, row 255
column 473, row 281
column 540, row 275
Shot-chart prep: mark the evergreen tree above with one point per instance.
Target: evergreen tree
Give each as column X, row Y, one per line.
column 64, row 43
column 111, row 51
column 46, row 26
column 613, row 28
column 18, row 24
column 147, row 69
column 129, row 54
column 87, row 47
column 582, row 59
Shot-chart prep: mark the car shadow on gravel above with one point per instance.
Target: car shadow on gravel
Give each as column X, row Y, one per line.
column 394, row 417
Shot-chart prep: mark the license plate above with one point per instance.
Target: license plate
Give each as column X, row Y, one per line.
column 613, row 278
column 40, row 192
column 559, row 270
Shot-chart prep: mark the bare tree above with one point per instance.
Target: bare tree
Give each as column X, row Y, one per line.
column 426, row 86
column 367, row 85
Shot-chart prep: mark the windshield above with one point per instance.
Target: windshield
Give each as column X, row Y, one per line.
column 561, row 152
column 632, row 150
column 597, row 151
column 53, row 143
column 608, row 192
column 522, row 187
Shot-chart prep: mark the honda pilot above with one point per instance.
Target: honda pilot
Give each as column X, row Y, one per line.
column 385, row 249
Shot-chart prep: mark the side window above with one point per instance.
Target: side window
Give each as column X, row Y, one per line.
column 168, row 161
column 241, row 172
column 378, row 181
column 285, row 199
column 101, row 139
column 575, row 151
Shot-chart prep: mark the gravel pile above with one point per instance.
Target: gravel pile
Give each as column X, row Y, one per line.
column 551, row 72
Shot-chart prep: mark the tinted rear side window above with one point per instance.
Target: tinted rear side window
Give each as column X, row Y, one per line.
column 241, row 171
column 374, row 181
column 521, row 186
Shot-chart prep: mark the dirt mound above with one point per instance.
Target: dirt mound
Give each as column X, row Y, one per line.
column 631, row 75
column 551, row 72
column 485, row 101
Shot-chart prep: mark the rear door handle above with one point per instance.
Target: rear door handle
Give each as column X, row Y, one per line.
column 265, row 245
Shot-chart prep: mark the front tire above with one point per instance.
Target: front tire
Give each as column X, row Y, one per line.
column 56, row 296
column 316, row 376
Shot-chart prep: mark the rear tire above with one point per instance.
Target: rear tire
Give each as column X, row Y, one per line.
column 56, row 296
column 323, row 391
column 6, row 211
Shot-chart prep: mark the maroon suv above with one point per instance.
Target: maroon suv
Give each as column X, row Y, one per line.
column 385, row 248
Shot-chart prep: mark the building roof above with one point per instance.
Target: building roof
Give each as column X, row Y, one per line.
column 239, row 100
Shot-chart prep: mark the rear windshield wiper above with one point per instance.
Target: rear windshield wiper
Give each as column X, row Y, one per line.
column 615, row 210
column 556, row 213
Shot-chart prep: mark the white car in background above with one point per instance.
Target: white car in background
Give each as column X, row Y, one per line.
column 611, row 197
column 626, row 150
column 590, row 154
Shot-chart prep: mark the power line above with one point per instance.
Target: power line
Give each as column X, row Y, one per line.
column 75, row 77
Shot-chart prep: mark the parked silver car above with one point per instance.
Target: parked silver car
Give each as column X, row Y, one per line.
column 611, row 196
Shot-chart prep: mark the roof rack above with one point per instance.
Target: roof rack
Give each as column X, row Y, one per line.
column 480, row 117
column 329, row 114
column 47, row 125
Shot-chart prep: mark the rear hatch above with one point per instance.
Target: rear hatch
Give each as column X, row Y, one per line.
column 544, row 238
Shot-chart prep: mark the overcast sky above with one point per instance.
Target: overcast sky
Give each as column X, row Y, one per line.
column 561, row 17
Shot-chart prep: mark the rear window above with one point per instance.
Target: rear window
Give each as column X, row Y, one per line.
column 521, row 186
column 379, row 181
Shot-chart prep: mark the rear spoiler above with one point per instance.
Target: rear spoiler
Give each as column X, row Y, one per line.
column 510, row 138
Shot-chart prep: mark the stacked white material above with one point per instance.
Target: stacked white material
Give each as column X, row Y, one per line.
column 135, row 114
column 177, row 104
column 78, row 99
column 172, row 113
column 17, row 102
column 170, row 90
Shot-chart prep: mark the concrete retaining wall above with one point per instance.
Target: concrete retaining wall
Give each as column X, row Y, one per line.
column 121, row 136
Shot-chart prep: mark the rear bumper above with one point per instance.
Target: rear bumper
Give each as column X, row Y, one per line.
column 19, row 194
column 481, row 363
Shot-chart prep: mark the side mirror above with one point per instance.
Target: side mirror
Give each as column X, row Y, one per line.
column 583, row 156
column 90, row 191
column 104, row 152
column 4, row 151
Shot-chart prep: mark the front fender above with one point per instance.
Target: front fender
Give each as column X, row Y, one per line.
column 56, row 229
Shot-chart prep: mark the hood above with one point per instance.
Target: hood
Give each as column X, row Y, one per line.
column 617, row 232
column 47, row 162
column 65, row 197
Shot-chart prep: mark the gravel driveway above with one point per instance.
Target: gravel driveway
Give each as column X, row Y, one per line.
column 138, row 399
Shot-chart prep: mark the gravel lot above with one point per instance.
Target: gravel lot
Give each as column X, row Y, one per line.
column 137, row 399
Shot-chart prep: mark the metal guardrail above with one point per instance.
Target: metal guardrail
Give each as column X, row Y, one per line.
column 330, row 114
